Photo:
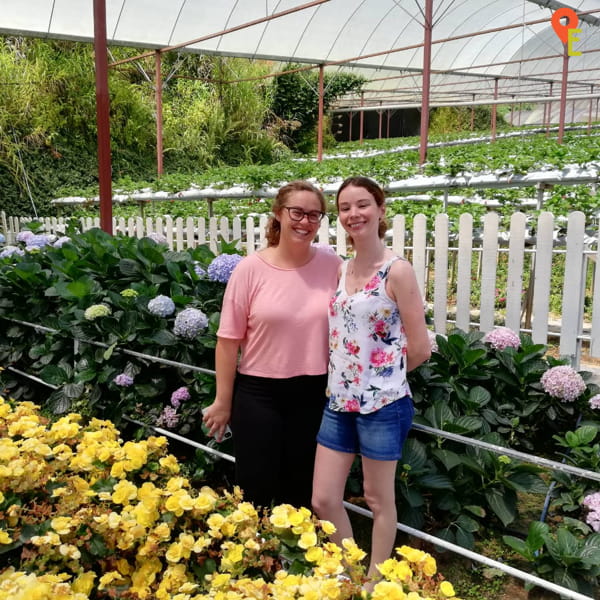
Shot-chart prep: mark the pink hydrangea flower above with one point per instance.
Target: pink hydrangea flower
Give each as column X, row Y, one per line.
column 563, row 382
column 592, row 503
column 168, row 417
column 595, row 401
column 501, row 338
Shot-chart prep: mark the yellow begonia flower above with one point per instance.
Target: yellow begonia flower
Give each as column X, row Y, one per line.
column 179, row 502
column 62, row 525
column 204, row 503
column 314, row 554
column 69, row 551
column 174, row 553
column 447, row 589
column 352, row 552
column 5, row 537
column 108, row 578
column 124, row 492
column 307, row 540
column 169, row 463
column 328, row 527
column 84, row 583
column 144, row 577
column 429, row 566
column 386, row 590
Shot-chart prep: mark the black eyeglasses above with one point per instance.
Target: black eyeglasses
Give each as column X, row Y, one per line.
column 297, row 214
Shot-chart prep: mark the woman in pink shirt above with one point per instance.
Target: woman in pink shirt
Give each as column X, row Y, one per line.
column 271, row 354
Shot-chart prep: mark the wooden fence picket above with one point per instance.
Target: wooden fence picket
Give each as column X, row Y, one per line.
column 463, row 274
column 445, row 269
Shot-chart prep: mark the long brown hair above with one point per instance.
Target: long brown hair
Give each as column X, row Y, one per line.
column 374, row 189
column 273, row 229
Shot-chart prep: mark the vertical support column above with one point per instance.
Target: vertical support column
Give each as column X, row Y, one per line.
column 103, row 116
column 380, row 113
column 320, row 122
column 362, row 118
column 389, row 118
column 473, row 114
column 350, row 116
column 494, row 110
column 563, row 94
column 549, row 117
column 428, row 27
column 159, row 112
column 589, row 127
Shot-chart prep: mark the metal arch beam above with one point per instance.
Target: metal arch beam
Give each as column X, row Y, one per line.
column 554, row 5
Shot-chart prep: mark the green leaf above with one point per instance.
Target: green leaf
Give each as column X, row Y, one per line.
column 448, row 458
column 97, row 546
column 503, row 504
column 108, row 352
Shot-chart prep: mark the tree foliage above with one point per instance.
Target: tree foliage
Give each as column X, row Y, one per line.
column 295, row 101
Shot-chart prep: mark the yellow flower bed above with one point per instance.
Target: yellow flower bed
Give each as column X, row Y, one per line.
column 85, row 515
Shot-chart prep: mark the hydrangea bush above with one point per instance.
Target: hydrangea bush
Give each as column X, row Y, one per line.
column 85, row 515
column 129, row 295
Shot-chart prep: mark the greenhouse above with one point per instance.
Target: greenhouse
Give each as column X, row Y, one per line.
column 143, row 149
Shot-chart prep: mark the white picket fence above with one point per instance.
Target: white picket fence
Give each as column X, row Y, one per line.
column 449, row 267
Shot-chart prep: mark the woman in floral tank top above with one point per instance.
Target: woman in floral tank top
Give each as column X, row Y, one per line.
column 377, row 334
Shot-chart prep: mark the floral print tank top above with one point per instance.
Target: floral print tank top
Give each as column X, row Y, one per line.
column 367, row 347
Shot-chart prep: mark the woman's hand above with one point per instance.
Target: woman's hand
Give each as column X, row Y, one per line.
column 216, row 418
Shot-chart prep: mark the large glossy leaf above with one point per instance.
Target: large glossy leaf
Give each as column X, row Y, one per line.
column 448, row 458
column 503, row 504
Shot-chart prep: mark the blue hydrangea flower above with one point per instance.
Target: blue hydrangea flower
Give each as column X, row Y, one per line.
column 2, row 238
column 189, row 323
column 10, row 250
column 161, row 306
column 222, row 266
column 200, row 271
column 61, row 240
column 23, row 236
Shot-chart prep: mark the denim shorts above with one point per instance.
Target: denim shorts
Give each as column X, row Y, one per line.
column 379, row 435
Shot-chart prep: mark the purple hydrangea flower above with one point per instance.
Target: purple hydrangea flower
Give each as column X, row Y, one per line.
column 563, row 382
column 595, row 401
column 37, row 241
column 10, row 250
column 159, row 238
column 592, row 502
column 501, row 338
column 123, row 380
column 222, row 266
column 161, row 306
column 180, row 395
column 168, row 417
column 189, row 323
column 23, row 236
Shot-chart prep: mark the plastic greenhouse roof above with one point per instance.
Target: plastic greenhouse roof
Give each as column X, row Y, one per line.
column 474, row 41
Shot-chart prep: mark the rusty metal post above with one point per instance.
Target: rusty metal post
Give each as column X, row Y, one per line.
column 103, row 116
column 428, row 29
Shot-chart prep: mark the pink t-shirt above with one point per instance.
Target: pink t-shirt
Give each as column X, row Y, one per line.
column 280, row 315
